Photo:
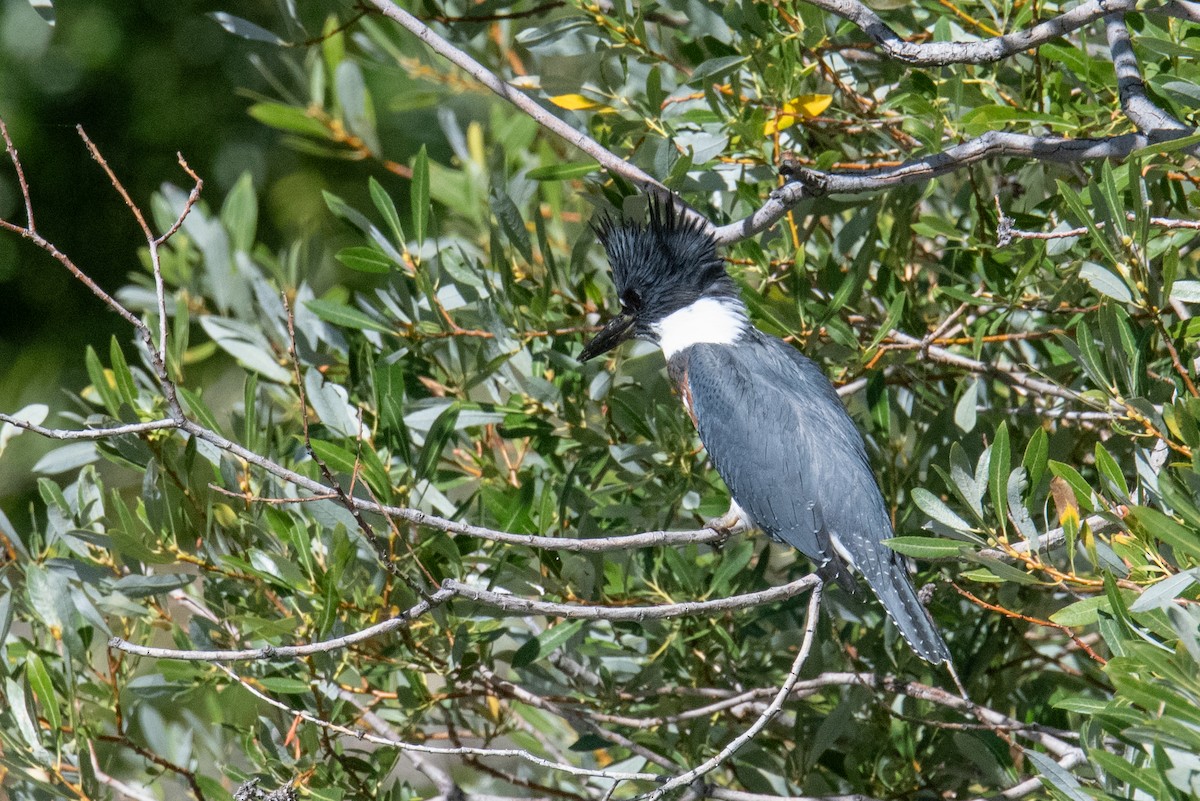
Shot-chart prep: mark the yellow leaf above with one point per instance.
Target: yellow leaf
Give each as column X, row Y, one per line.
column 577, row 103
column 808, row 105
column 781, row 123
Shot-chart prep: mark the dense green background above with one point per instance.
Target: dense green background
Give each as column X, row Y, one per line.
column 445, row 313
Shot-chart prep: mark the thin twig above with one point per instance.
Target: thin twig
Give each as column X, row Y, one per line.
column 810, row 628
column 289, row 651
column 89, row 433
column 510, row 753
column 525, row 606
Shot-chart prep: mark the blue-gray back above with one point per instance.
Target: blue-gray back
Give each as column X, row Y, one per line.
column 784, row 444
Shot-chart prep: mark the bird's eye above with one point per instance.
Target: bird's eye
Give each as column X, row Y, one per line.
column 631, row 299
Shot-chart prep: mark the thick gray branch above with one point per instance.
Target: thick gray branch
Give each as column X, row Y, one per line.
column 1143, row 112
column 936, row 54
column 993, row 144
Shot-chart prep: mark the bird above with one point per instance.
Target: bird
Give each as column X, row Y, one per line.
column 774, row 427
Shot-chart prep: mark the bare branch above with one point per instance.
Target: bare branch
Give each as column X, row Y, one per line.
column 646, row 539
column 1143, row 112
column 811, row 183
column 289, row 651
column 1099, row 524
column 508, row 603
column 114, row 784
column 810, row 628
column 30, row 225
column 576, row 720
column 936, row 54
column 510, row 753
column 570, row 135
column 525, row 606
column 1005, row 232
column 29, row 232
column 89, row 433
column 1008, row 374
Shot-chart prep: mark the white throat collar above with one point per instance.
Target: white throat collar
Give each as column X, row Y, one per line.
column 718, row 321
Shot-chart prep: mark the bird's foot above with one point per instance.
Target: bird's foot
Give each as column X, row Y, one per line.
column 734, row 521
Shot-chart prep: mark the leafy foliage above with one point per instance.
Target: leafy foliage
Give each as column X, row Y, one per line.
column 1029, row 403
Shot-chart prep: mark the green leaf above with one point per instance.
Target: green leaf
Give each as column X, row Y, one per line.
column 419, row 196
column 998, row 470
column 1091, row 358
column 933, row 506
column 1083, row 492
column 590, row 742
column 1081, row 211
column 1106, row 282
column 1155, row 524
column 245, row 29
column 1160, row 148
column 564, row 171
column 732, row 564
column 101, row 383
column 1117, row 768
column 546, row 643
column 965, row 409
column 122, row 377
column 1036, row 456
column 239, row 214
column 509, row 217
column 340, row 314
column 1163, row 593
column 1058, row 777
column 895, row 310
column 1178, row 498
column 1109, row 468
column 1081, row 613
column 439, row 435
column 364, row 259
column 139, row 586
column 43, row 689
column 338, row 459
column 280, row 685
column 926, row 547
column 383, row 202
column 289, row 118
column 714, row 68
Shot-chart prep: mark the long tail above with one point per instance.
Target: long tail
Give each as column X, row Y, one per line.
column 890, row 582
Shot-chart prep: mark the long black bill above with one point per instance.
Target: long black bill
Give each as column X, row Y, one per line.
column 615, row 331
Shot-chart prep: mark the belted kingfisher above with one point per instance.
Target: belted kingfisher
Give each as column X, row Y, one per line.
column 776, row 431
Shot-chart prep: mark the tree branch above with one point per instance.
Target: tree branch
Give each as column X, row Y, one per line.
column 517, row 753
column 810, row 628
column 547, row 120
column 289, row 651
column 524, row 606
column 1143, row 112
column 811, row 183
column 937, row 54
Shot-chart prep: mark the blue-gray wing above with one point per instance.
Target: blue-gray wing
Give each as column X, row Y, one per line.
column 792, row 458
column 782, row 441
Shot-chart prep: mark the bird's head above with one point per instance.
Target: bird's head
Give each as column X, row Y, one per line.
column 665, row 266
